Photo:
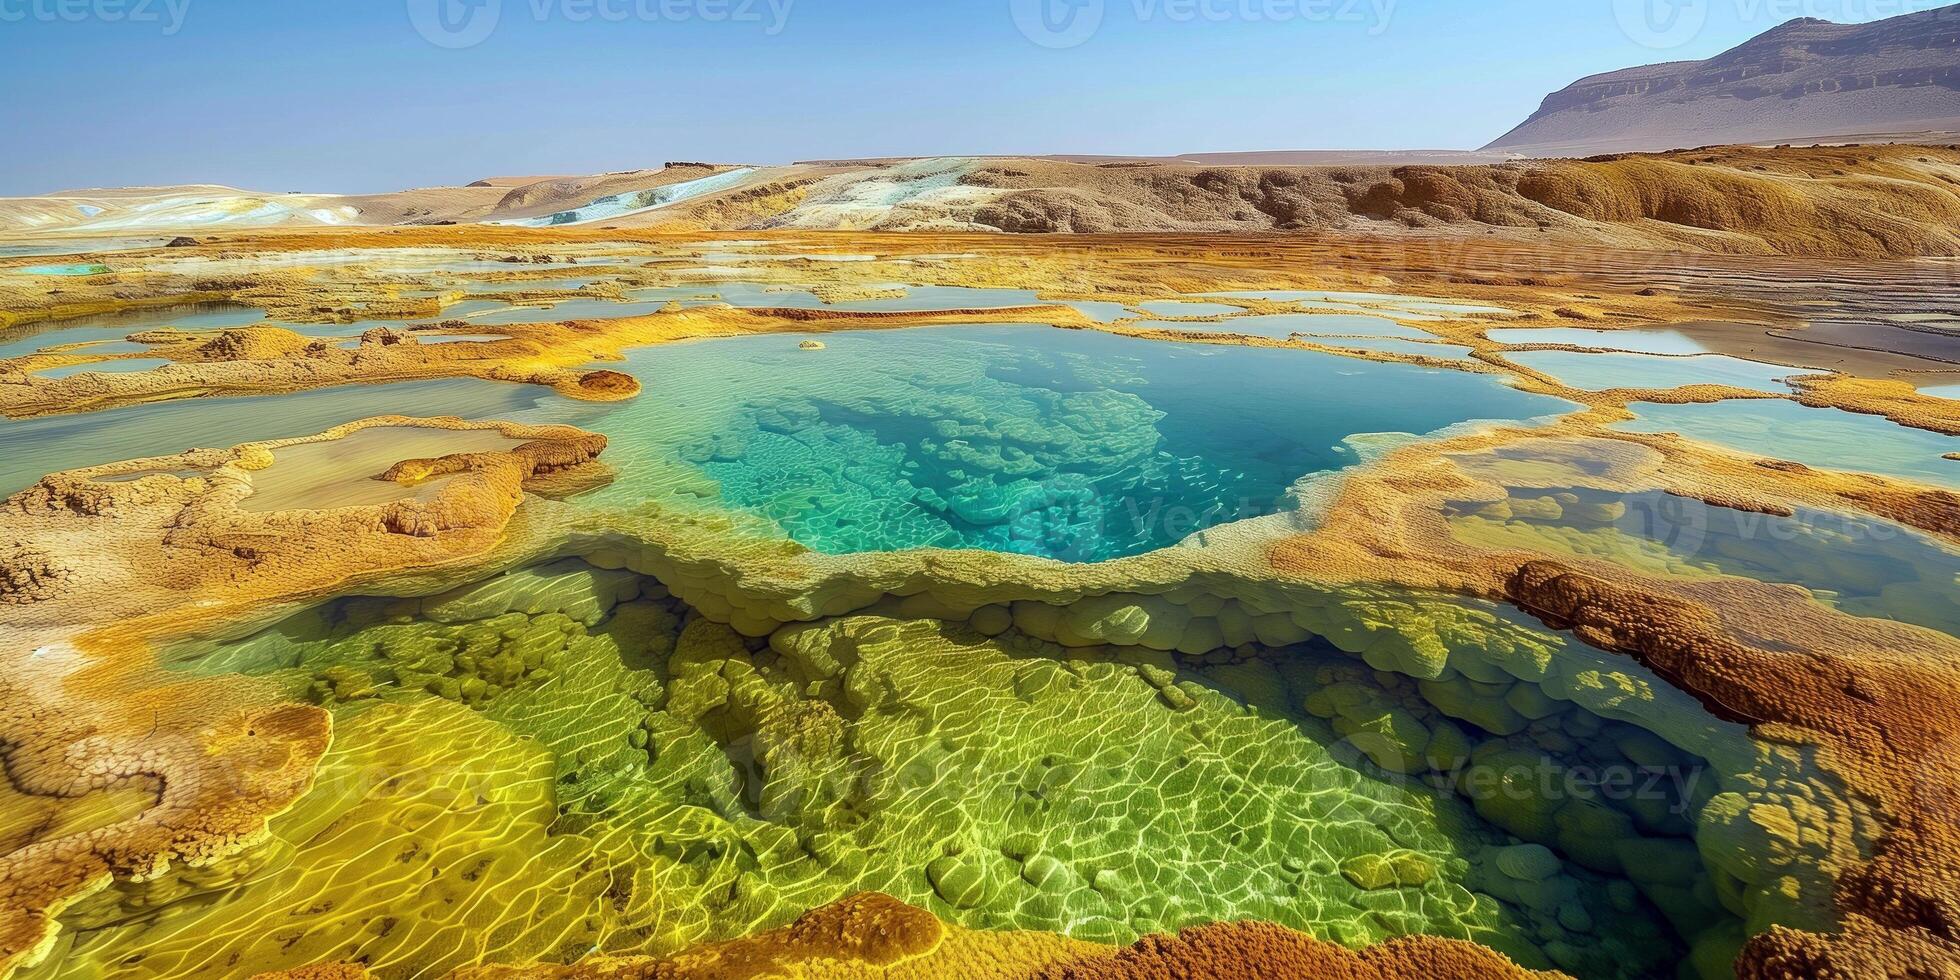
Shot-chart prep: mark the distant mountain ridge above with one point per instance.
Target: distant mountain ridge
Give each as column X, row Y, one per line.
column 1807, row 81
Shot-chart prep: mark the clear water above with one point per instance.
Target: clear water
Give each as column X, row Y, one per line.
column 32, row 448
column 1637, row 341
column 1942, row 391
column 1076, row 445
column 124, row 366
column 1864, row 566
column 1823, row 438
column 1599, row 372
column 28, row 338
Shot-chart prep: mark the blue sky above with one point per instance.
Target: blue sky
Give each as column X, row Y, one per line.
column 348, row 95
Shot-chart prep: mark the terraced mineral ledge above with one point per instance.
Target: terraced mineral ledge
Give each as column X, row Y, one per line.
column 568, row 602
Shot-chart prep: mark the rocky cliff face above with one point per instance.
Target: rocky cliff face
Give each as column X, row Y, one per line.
column 1806, row 81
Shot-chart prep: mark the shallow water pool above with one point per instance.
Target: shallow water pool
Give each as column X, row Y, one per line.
column 1077, row 445
column 1862, row 565
column 31, row 337
column 128, row 365
column 78, row 269
column 32, row 448
column 1637, row 341
column 1600, row 372
column 1824, row 438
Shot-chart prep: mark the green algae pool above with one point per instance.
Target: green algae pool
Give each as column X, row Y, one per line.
column 1077, row 445
column 645, row 778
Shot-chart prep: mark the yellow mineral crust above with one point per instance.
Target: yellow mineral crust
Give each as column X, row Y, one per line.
column 85, row 549
column 876, row 937
column 218, row 759
column 218, row 771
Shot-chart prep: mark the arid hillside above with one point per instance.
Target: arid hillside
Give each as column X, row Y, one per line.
column 1870, row 201
column 1865, row 201
column 1807, row 81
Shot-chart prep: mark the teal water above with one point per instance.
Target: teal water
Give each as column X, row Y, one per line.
column 33, row 448
column 1281, row 326
column 1078, row 445
column 124, row 366
column 1600, row 372
column 1942, row 391
column 79, row 269
column 1638, row 341
column 1823, row 438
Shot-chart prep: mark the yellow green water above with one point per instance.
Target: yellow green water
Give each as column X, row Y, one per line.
column 567, row 758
